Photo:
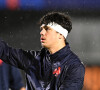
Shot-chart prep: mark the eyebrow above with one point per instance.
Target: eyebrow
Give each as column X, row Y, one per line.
column 44, row 27
column 41, row 28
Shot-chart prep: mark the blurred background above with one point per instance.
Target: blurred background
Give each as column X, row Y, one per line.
column 19, row 28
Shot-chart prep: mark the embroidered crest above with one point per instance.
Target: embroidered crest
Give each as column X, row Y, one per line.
column 57, row 71
column 1, row 62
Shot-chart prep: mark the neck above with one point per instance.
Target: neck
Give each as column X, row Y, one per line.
column 56, row 48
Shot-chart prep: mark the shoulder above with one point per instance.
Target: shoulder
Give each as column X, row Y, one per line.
column 75, row 62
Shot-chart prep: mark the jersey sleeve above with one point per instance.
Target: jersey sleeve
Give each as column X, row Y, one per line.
column 17, row 57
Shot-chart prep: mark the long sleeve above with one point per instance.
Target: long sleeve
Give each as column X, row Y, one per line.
column 17, row 57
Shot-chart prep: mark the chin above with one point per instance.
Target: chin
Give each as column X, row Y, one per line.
column 43, row 45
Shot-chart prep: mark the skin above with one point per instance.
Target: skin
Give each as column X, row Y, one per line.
column 22, row 88
column 51, row 39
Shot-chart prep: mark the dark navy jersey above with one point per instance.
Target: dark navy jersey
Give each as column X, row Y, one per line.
column 44, row 71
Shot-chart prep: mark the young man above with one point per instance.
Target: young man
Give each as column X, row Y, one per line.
column 55, row 66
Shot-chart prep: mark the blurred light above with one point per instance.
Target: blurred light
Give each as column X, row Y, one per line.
column 50, row 4
column 2, row 4
column 73, row 4
column 32, row 4
column 12, row 4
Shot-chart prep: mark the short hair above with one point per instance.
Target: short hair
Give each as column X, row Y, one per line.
column 59, row 18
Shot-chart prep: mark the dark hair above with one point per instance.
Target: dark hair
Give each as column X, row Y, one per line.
column 59, row 18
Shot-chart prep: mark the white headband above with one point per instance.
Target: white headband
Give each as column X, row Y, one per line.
column 58, row 28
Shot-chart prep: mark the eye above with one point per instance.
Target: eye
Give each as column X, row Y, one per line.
column 46, row 28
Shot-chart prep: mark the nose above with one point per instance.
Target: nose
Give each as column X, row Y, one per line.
column 43, row 31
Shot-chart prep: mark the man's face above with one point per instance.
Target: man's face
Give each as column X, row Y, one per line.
column 49, row 37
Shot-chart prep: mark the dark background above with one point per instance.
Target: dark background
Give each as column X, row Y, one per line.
column 21, row 29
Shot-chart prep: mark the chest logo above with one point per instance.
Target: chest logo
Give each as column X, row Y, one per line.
column 1, row 62
column 57, row 71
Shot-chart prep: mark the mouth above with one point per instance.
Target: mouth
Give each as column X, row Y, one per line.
column 42, row 39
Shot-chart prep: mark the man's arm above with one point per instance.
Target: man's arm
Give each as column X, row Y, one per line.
column 74, row 80
column 17, row 57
